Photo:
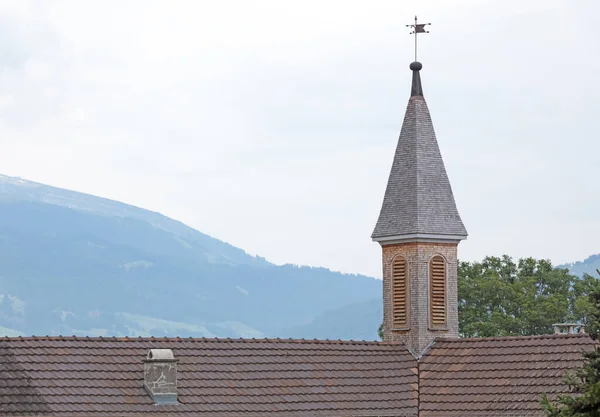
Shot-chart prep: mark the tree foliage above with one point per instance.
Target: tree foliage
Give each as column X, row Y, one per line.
column 500, row 297
column 584, row 399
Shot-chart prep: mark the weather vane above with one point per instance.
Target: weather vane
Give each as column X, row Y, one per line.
column 418, row 28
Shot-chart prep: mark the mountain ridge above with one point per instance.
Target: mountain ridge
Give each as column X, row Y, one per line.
column 19, row 189
column 588, row 266
column 115, row 269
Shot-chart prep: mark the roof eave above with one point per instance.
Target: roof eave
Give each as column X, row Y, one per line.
column 418, row 237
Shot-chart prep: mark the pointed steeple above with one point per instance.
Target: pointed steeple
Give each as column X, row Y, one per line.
column 418, row 204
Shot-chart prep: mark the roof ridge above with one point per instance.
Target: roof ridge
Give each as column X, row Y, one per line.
column 500, row 338
column 199, row 339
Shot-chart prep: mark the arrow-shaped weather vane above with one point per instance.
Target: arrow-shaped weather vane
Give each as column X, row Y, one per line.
column 418, row 28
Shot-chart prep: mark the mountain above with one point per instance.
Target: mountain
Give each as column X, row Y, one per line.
column 588, row 266
column 19, row 190
column 354, row 321
column 72, row 263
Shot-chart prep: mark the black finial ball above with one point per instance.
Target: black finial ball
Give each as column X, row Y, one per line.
column 416, row 66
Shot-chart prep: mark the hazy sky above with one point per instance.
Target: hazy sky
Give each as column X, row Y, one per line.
column 272, row 124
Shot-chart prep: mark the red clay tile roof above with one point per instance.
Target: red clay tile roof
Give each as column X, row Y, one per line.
column 496, row 376
column 216, row 377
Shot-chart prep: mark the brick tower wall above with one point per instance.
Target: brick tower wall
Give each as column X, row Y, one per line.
column 418, row 255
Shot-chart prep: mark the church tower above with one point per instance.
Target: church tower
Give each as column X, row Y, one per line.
column 419, row 229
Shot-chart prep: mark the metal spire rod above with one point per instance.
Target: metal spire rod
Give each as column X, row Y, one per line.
column 418, row 28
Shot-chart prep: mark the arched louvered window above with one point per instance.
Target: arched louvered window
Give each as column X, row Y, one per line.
column 399, row 293
column 437, row 292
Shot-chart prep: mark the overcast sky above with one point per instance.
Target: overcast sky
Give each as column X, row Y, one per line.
column 272, row 124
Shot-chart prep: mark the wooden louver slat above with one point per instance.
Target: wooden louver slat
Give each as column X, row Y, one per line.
column 437, row 293
column 399, row 293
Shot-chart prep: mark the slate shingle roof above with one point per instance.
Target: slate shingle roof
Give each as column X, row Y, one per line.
column 503, row 376
column 216, row 377
column 418, row 198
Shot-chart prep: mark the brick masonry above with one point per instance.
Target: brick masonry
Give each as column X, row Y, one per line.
column 419, row 335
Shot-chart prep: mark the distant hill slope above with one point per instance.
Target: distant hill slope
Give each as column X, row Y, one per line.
column 72, row 263
column 588, row 266
column 16, row 189
column 354, row 321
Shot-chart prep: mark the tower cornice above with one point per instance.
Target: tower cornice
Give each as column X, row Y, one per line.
column 417, row 237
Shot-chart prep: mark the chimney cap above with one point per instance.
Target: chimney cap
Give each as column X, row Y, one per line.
column 163, row 355
column 569, row 328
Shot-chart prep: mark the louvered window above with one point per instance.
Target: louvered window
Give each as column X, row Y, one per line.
column 399, row 293
column 437, row 292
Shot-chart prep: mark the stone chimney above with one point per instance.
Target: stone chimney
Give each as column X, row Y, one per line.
column 160, row 376
column 568, row 328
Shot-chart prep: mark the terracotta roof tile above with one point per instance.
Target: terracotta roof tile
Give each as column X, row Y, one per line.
column 216, row 377
column 496, row 376
column 492, row 377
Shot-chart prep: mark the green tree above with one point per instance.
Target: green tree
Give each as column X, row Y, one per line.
column 500, row 297
column 584, row 400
